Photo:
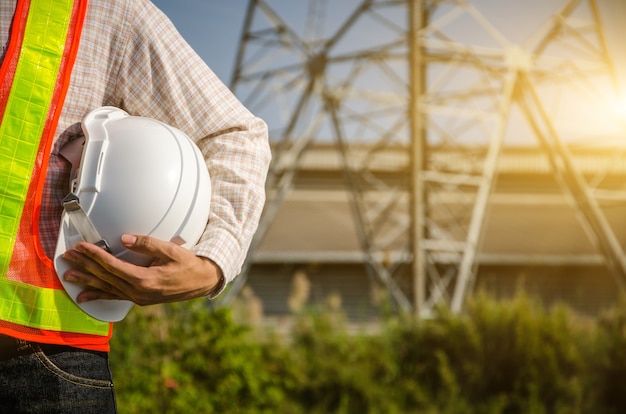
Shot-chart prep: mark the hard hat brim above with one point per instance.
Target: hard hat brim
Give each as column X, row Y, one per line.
column 105, row 310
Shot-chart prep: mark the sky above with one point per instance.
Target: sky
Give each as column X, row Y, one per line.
column 211, row 27
column 214, row 27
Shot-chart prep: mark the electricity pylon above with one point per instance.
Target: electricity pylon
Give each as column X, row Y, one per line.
column 431, row 77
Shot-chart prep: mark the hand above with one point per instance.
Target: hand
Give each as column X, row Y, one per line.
column 176, row 273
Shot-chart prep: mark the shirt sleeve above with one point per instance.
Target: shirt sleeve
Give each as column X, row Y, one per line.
column 163, row 78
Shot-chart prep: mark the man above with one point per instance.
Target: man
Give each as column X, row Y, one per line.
column 126, row 54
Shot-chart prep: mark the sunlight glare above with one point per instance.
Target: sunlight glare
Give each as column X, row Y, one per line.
column 619, row 109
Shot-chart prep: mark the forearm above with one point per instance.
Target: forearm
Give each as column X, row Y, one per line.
column 238, row 161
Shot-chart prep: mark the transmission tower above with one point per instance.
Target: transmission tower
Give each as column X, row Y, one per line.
column 448, row 82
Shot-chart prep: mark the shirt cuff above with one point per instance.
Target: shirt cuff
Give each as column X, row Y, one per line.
column 219, row 288
column 225, row 251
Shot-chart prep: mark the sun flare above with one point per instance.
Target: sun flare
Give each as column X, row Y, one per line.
column 619, row 108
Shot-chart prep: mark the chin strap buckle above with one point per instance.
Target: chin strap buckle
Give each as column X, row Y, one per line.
column 82, row 223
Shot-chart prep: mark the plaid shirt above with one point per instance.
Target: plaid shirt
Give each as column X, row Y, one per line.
column 132, row 57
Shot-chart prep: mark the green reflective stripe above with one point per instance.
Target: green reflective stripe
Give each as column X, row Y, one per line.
column 45, row 309
column 26, row 111
column 21, row 131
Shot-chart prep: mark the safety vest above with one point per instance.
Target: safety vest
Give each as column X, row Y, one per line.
column 35, row 76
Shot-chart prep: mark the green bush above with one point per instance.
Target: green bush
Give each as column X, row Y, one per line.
column 182, row 358
column 334, row 372
column 498, row 357
column 607, row 367
column 510, row 357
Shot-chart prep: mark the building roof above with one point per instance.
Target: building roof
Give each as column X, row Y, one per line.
column 530, row 218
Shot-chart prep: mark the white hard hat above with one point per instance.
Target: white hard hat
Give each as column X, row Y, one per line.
column 138, row 176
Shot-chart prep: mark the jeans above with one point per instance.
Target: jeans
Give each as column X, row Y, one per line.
column 57, row 380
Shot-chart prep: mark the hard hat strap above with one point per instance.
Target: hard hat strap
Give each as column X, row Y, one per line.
column 82, row 223
column 72, row 152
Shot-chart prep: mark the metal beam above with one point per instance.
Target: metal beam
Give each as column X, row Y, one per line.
column 426, row 88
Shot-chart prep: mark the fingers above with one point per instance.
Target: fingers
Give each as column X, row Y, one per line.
column 95, row 288
column 94, row 294
column 175, row 274
column 104, row 275
column 107, row 277
column 97, row 260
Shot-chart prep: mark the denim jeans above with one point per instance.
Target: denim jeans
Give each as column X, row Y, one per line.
column 57, row 380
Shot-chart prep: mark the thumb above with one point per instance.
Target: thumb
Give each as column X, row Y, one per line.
column 144, row 244
column 129, row 240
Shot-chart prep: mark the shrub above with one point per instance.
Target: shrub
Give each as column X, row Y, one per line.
column 607, row 367
column 184, row 358
column 498, row 357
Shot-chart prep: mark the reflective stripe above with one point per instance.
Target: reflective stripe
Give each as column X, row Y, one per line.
column 26, row 111
column 27, row 116
column 45, row 309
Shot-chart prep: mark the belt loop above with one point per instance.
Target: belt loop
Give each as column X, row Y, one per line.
column 22, row 345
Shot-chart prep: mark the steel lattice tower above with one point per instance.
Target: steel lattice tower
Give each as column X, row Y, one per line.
column 443, row 81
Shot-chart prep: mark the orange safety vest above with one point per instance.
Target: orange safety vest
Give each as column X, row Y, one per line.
column 35, row 77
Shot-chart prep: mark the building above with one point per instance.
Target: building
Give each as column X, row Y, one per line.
column 533, row 238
